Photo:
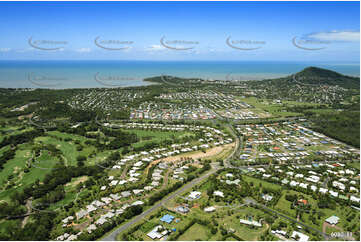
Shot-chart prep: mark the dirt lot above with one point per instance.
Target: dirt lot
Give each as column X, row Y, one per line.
column 194, row 155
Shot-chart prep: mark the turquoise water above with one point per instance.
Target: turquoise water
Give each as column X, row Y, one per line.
column 86, row 74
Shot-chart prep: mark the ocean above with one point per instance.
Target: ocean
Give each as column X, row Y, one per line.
column 90, row 74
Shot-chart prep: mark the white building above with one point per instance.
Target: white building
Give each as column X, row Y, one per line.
column 301, row 237
column 209, row 209
column 194, row 195
column 218, row 193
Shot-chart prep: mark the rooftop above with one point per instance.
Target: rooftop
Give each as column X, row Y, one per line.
column 167, row 218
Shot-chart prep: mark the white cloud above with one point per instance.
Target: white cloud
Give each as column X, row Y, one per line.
column 5, row 49
column 83, row 50
column 31, row 49
column 347, row 36
column 155, row 48
column 25, row 50
column 193, row 51
column 128, row 49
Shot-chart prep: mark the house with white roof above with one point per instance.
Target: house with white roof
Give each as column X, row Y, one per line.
column 157, row 232
column 334, row 194
column 353, row 189
column 138, row 202
column 106, row 200
column 91, row 228
column 209, row 209
column 115, row 196
column 323, row 190
column 355, row 199
column 90, row 208
column 333, row 220
column 125, row 194
column 97, row 203
column 194, row 195
column 281, row 232
column 100, row 221
column 137, row 191
column 299, row 236
column 154, row 183
column 313, row 188
column 313, row 178
column 139, row 163
column 133, row 179
column 290, row 173
column 349, row 172
column 254, row 223
column 218, row 193
column 299, row 176
column 148, row 188
column 303, row 185
column 339, row 185
column 67, row 219
column 81, row 214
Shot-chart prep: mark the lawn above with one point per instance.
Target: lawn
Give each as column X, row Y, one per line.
column 256, row 182
column 243, row 231
column 355, row 165
column 68, row 148
column 147, row 136
column 274, row 109
column 195, row 232
column 284, row 205
column 230, row 238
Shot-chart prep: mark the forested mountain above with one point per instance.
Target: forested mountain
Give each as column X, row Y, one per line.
column 319, row 76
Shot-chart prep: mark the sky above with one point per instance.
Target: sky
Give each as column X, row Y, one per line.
column 255, row 31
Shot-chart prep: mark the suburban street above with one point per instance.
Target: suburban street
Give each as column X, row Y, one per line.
column 112, row 235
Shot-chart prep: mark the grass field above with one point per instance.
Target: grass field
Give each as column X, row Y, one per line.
column 256, row 182
column 276, row 110
column 355, row 165
column 147, row 136
column 243, row 231
column 15, row 169
column 68, row 148
column 195, row 232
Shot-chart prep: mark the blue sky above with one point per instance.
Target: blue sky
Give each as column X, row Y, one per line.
column 322, row 31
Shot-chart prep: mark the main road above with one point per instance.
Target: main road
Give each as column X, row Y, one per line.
column 113, row 235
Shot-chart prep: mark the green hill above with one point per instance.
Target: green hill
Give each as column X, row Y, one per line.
column 319, row 76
